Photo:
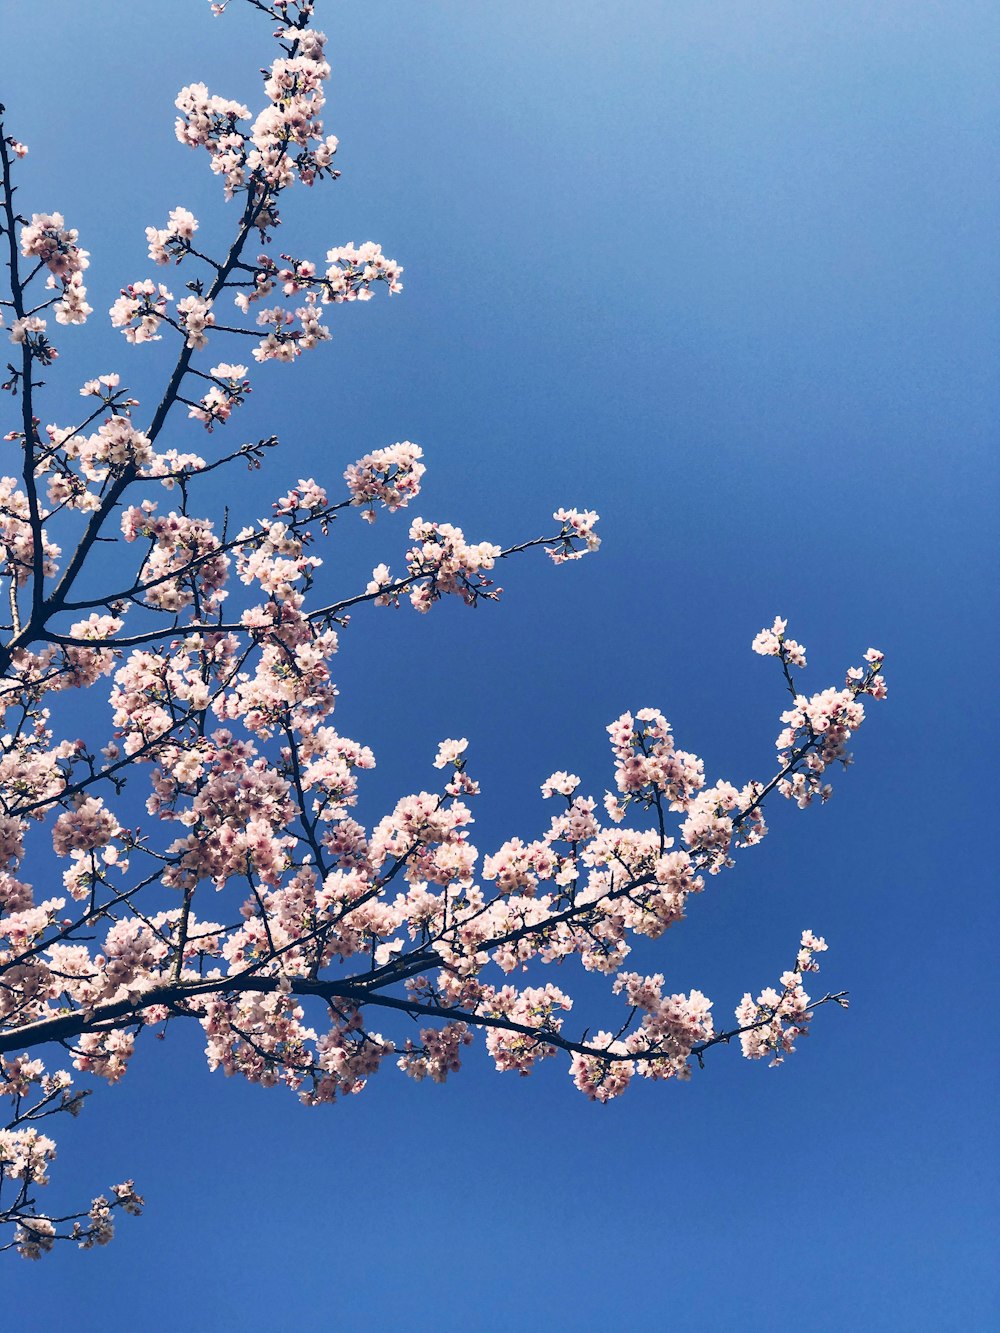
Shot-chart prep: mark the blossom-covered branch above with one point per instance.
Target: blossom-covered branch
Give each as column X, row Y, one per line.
column 255, row 903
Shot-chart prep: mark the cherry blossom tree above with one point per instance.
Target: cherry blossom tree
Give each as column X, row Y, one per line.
column 310, row 949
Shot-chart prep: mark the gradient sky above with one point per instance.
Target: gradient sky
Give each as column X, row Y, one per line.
column 726, row 273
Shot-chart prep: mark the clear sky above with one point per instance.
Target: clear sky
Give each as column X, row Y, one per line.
column 728, row 274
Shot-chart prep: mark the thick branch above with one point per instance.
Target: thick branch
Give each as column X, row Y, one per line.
column 173, row 995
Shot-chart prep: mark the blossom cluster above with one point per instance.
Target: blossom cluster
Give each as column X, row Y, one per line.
column 387, row 476
column 140, row 310
column 284, row 143
column 773, row 643
column 671, row 1028
column 173, row 241
column 286, row 140
column 773, row 1022
column 578, row 535
column 352, row 275
column 47, row 239
column 228, row 391
column 819, row 727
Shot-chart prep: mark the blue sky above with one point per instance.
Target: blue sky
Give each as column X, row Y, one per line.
column 727, row 274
